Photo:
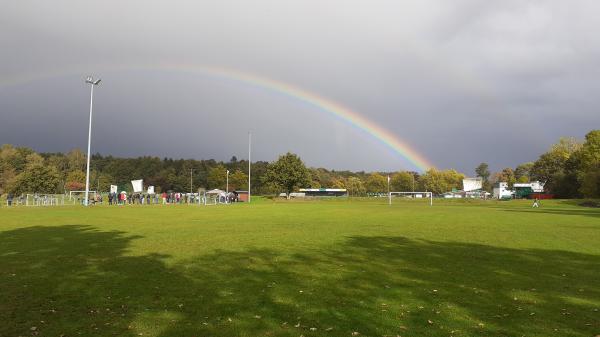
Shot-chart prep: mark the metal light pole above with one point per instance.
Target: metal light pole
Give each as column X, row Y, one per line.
column 93, row 83
column 227, row 187
column 249, row 161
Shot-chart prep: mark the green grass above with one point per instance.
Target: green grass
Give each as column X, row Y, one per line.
column 328, row 268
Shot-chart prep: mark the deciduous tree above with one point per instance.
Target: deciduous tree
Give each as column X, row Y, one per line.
column 523, row 172
column 75, row 181
column 217, row 177
column 288, row 173
column 403, row 181
column 36, row 179
column 588, row 172
column 238, row 181
column 355, row 187
column 551, row 168
column 483, row 171
column 441, row 181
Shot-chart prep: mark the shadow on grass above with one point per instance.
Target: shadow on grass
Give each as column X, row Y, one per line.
column 581, row 211
column 75, row 280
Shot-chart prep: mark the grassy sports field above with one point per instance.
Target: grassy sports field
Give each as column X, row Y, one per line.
column 322, row 268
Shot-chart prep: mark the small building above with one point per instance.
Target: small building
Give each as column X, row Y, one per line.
column 477, row 194
column 241, row 195
column 535, row 186
column 324, row 192
column 528, row 190
column 292, row 195
column 453, row 195
column 501, row 191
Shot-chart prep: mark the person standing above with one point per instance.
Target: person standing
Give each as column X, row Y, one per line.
column 536, row 203
column 9, row 198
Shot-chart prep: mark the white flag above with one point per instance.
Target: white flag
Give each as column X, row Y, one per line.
column 138, row 185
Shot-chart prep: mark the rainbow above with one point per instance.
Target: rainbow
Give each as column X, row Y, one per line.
column 397, row 145
column 333, row 108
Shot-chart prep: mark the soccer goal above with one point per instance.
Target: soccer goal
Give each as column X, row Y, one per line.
column 415, row 195
column 77, row 197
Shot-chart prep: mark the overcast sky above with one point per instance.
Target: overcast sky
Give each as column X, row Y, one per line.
column 460, row 81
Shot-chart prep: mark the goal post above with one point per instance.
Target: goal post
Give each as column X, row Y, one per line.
column 77, row 194
column 412, row 195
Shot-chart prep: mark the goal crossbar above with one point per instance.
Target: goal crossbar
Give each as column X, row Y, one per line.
column 428, row 194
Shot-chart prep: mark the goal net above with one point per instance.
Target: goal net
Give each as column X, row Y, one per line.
column 411, row 195
column 77, row 197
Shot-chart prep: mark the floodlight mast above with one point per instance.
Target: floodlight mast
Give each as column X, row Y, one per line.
column 90, row 80
column 249, row 161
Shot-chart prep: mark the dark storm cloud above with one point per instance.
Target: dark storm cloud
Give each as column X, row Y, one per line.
column 461, row 81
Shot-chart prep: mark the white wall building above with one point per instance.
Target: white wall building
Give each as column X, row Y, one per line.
column 501, row 191
column 472, row 184
column 536, row 186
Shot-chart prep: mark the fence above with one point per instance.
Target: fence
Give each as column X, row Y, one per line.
column 77, row 198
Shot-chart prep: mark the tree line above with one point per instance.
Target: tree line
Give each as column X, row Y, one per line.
column 570, row 169
column 22, row 170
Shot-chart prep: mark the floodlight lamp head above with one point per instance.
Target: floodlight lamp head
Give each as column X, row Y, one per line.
column 91, row 80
